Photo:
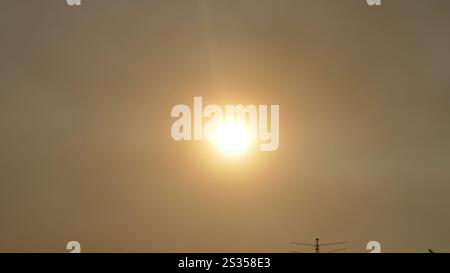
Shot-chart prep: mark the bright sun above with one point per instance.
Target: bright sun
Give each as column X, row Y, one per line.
column 232, row 138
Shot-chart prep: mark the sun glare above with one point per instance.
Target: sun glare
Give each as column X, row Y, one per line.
column 232, row 138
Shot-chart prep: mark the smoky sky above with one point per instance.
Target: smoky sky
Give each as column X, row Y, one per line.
column 85, row 146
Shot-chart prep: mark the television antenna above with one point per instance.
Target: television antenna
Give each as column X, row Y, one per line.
column 318, row 245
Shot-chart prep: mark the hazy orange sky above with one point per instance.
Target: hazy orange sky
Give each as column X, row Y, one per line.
column 86, row 153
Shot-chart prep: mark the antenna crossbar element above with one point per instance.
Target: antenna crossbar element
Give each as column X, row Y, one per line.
column 337, row 250
column 332, row 244
column 302, row 244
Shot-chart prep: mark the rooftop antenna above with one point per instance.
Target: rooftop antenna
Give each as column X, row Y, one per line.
column 317, row 245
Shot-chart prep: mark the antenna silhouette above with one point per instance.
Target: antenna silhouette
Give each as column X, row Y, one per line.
column 317, row 246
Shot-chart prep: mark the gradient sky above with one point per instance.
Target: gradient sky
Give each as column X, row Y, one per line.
column 86, row 152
